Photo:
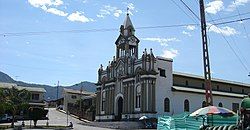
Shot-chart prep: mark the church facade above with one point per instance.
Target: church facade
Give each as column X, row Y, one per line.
column 126, row 88
column 132, row 86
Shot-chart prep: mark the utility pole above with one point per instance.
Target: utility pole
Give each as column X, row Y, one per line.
column 207, row 75
column 57, row 90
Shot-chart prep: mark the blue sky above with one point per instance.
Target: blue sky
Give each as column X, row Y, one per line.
column 72, row 56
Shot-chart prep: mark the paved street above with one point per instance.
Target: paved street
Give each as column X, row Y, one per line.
column 57, row 118
column 60, row 119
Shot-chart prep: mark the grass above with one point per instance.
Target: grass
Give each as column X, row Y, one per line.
column 2, row 127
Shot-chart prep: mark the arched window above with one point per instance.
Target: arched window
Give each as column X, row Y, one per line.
column 204, row 104
column 166, row 105
column 138, row 97
column 220, row 104
column 137, row 78
column 186, row 106
column 103, row 100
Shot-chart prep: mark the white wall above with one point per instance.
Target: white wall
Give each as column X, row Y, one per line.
column 69, row 99
column 195, row 101
column 163, row 85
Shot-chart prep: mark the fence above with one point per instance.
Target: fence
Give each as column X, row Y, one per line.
column 88, row 115
column 185, row 122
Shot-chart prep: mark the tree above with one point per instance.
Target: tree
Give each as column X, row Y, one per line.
column 2, row 101
column 37, row 113
column 15, row 98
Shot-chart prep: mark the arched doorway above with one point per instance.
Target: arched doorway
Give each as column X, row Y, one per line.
column 120, row 106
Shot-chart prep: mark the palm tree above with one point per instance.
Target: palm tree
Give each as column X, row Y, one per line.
column 15, row 98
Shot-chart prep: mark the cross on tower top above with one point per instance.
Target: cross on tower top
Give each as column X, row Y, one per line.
column 127, row 10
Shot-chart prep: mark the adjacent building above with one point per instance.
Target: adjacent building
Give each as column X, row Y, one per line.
column 71, row 97
column 37, row 94
column 132, row 86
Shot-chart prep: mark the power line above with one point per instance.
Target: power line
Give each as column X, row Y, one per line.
column 112, row 29
column 232, row 16
column 232, row 21
column 245, row 67
column 38, row 68
column 232, row 37
column 242, row 24
column 190, row 10
column 92, row 30
column 192, row 18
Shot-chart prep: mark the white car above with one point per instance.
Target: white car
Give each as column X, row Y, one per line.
column 6, row 117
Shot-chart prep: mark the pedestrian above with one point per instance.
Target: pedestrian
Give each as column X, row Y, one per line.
column 70, row 124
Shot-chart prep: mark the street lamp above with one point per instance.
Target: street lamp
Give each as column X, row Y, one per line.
column 81, row 102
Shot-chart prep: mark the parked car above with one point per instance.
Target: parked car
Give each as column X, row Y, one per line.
column 60, row 107
column 5, row 118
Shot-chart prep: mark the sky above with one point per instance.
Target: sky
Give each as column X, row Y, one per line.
column 45, row 41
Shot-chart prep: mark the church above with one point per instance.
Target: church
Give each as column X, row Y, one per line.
column 132, row 86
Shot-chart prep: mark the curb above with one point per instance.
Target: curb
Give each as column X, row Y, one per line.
column 72, row 115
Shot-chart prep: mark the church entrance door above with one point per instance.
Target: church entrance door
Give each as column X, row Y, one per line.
column 120, row 103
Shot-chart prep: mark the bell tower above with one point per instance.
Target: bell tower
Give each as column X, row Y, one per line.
column 127, row 42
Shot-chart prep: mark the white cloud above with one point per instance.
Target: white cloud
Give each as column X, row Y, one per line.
column 190, row 27
column 234, row 4
column 54, row 11
column 79, row 16
column 186, row 33
column 162, row 41
column 108, row 10
column 72, row 56
column 131, row 7
column 40, row 3
column 117, row 13
column 46, row 6
column 84, row 1
column 223, row 30
column 214, row 6
column 172, row 53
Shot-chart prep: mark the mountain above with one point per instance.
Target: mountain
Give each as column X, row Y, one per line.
column 51, row 91
column 6, row 78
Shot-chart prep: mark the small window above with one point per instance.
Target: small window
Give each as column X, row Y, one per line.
column 186, row 83
column 204, row 104
column 103, row 100
column 220, row 104
column 235, row 107
column 186, row 106
column 243, row 91
column 35, row 96
column 73, row 96
column 231, row 89
column 218, row 87
column 166, row 105
column 138, row 97
column 203, row 86
column 137, row 79
column 162, row 72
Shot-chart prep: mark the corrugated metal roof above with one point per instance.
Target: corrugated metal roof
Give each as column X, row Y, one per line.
column 213, row 79
column 73, row 91
column 31, row 89
column 194, row 90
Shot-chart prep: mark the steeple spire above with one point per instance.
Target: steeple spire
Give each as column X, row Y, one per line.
column 127, row 22
column 127, row 27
